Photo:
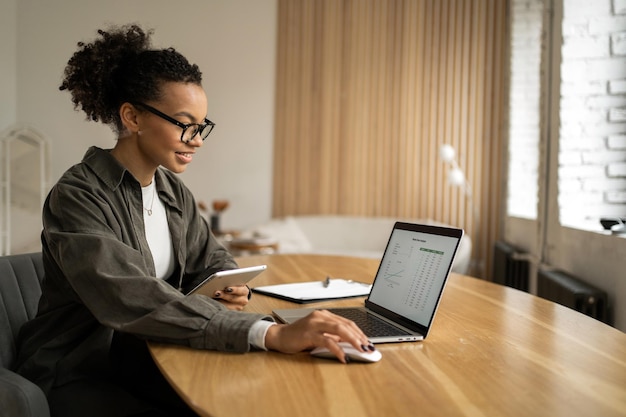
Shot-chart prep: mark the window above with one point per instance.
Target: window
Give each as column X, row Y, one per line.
column 524, row 108
column 580, row 176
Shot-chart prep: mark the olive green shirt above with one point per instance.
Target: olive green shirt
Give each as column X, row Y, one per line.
column 100, row 276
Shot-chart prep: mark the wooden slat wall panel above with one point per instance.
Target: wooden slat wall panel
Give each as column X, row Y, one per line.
column 367, row 92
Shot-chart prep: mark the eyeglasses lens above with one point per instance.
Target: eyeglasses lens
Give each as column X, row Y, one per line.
column 207, row 129
column 193, row 130
column 190, row 133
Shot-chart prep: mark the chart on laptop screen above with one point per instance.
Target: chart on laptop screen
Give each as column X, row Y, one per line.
column 412, row 273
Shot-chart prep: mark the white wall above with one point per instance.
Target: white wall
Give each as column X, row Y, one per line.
column 8, row 67
column 8, row 76
column 233, row 42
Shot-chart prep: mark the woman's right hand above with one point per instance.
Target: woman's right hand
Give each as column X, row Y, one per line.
column 321, row 328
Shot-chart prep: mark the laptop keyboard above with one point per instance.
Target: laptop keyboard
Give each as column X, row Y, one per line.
column 371, row 325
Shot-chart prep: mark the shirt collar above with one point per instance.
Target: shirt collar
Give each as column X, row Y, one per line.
column 105, row 166
column 112, row 173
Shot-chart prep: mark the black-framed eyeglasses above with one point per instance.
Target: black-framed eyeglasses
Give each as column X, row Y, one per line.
column 190, row 130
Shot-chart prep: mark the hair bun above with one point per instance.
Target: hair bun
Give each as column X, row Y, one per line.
column 118, row 66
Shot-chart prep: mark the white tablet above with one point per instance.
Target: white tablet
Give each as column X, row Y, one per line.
column 228, row 278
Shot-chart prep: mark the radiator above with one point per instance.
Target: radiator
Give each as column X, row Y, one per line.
column 567, row 290
column 511, row 266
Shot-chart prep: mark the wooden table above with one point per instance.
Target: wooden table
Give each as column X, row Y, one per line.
column 493, row 351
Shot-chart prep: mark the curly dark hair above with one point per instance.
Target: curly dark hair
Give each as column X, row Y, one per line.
column 120, row 67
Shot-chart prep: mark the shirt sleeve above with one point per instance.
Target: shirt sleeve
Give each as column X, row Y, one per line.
column 256, row 336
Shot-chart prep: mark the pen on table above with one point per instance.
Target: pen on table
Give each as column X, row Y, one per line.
column 327, row 282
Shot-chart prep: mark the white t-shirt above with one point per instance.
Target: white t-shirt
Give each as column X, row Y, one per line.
column 160, row 243
column 157, row 231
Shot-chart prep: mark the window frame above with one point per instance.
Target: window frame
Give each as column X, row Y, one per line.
column 595, row 257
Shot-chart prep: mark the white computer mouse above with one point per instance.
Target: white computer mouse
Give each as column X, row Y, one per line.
column 353, row 354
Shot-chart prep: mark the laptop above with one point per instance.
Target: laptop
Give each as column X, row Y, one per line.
column 407, row 288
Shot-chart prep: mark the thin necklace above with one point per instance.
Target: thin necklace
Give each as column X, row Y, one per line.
column 149, row 210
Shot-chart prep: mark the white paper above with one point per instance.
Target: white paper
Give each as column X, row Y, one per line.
column 316, row 290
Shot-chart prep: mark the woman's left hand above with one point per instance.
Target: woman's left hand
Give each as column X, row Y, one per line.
column 234, row 298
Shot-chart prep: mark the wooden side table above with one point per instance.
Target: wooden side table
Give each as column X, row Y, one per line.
column 253, row 246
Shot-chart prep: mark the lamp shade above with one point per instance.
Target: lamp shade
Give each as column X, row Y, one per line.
column 456, row 177
column 447, row 153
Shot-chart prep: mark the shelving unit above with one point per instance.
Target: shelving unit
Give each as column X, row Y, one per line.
column 23, row 179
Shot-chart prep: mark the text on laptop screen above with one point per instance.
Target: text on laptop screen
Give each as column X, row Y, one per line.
column 412, row 273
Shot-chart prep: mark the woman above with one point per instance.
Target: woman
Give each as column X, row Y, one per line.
column 123, row 242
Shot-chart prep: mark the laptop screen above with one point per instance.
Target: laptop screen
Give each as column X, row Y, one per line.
column 413, row 271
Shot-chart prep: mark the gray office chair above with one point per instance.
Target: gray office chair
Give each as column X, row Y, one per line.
column 20, row 290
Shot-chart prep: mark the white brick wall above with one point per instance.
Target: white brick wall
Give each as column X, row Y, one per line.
column 617, row 170
column 617, row 142
column 592, row 160
column 592, row 143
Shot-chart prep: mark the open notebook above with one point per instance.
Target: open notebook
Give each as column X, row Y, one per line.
column 407, row 288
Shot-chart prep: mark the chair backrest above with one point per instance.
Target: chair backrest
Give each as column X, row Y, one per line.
column 20, row 290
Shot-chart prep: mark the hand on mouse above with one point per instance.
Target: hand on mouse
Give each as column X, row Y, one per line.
column 321, row 328
column 351, row 354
